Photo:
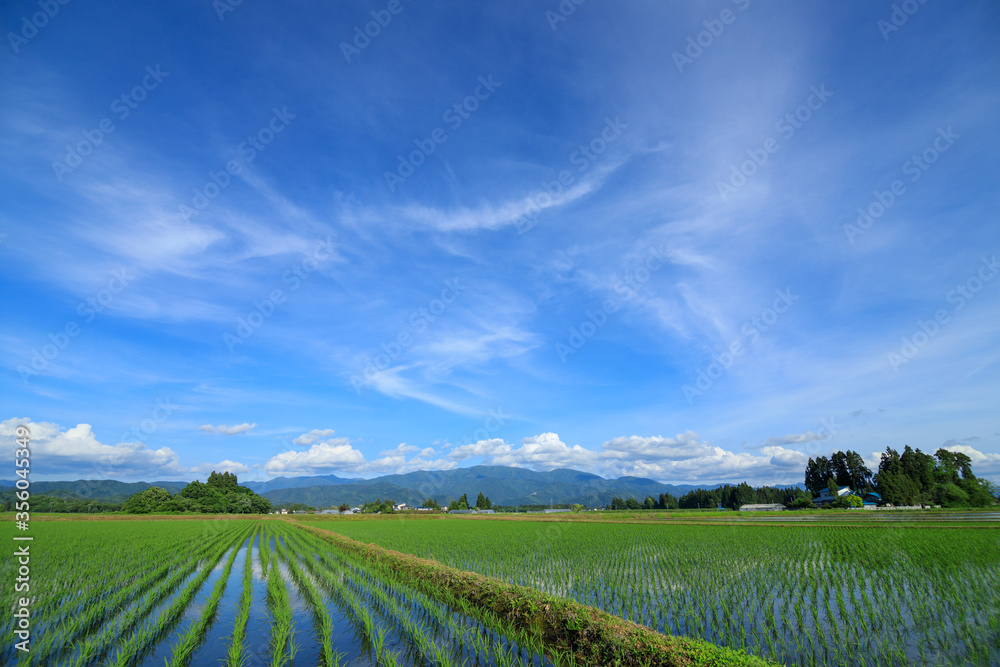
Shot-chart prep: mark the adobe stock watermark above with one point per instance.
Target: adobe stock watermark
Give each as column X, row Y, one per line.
column 898, row 17
column 786, row 127
column 149, row 425
column 37, row 21
column 698, row 43
column 581, row 158
column 292, row 279
column 926, row 331
column 87, row 311
column 246, row 152
column 565, row 9
column 223, row 7
column 626, row 288
column 752, row 329
column 454, row 116
column 381, row 18
column 827, row 431
column 417, row 323
column 122, row 107
column 915, row 168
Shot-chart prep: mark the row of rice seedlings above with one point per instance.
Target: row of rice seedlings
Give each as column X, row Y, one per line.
column 359, row 614
column 237, row 654
column 101, row 584
column 388, row 608
column 417, row 618
column 324, row 623
column 282, row 632
column 192, row 639
column 264, row 551
column 146, row 636
column 125, row 618
column 178, row 567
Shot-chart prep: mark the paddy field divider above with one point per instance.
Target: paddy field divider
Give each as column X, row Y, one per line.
column 591, row 636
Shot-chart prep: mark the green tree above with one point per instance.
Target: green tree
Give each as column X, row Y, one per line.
column 818, row 472
column 649, row 503
column 632, row 504
column 919, row 467
column 666, row 502
column 802, row 502
column 146, row 501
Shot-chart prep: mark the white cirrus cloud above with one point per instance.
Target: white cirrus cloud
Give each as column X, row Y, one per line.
column 795, row 439
column 222, row 429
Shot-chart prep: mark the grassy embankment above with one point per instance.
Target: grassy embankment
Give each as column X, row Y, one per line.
column 593, row 636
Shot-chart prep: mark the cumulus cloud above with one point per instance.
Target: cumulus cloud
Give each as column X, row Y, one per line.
column 312, row 436
column 222, row 429
column 543, row 451
column 687, row 445
column 396, row 461
column 984, row 464
column 329, row 456
column 76, row 450
column 682, row 458
column 338, row 455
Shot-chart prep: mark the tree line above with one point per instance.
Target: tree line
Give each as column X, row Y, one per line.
column 910, row 478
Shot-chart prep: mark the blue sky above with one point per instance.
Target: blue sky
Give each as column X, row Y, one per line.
column 622, row 238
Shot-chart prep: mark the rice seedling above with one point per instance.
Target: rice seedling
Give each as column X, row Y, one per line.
column 188, row 644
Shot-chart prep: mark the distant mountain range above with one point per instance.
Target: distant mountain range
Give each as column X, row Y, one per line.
column 503, row 485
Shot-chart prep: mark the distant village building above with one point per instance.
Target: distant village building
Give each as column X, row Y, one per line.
column 871, row 500
column 763, row 507
column 826, row 497
column 547, row 511
column 485, row 512
column 400, row 506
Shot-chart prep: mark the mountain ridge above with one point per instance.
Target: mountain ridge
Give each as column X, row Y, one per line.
column 504, row 485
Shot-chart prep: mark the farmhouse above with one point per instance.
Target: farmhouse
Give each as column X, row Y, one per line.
column 871, row 499
column 826, row 497
column 767, row 507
